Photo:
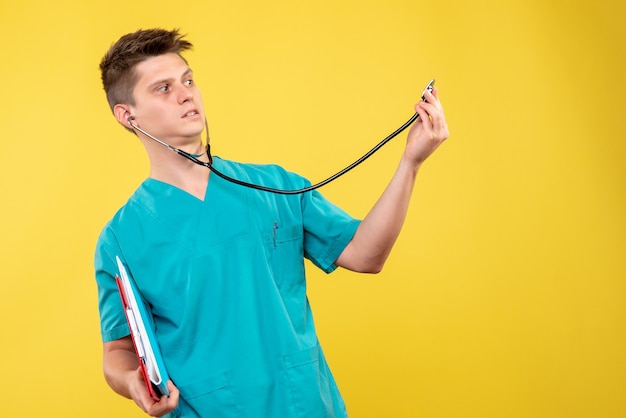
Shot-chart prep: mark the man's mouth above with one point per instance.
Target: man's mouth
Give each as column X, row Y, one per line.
column 190, row 113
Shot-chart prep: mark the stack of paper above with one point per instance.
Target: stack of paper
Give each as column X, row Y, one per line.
column 142, row 331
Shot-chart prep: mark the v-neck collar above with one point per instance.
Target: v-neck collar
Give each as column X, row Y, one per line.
column 177, row 190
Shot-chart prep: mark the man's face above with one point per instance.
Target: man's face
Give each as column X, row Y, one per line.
column 168, row 104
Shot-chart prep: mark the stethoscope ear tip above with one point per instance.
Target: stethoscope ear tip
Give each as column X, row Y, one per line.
column 130, row 120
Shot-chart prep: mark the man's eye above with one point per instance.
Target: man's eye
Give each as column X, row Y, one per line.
column 165, row 88
column 189, row 82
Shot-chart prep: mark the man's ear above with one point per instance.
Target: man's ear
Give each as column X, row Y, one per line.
column 122, row 112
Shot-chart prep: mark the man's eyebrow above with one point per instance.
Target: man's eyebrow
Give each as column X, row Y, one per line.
column 169, row 80
column 157, row 82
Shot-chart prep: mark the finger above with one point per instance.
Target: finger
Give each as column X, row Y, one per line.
column 435, row 93
column 432, row 98
column 432, row 94
column 424, row 117
column 434, row 109
column 139, row 391
column 421, row 112
column 174, row 393
column 166, row 403
column 425, row 124
column 438, row 125
column 160, row 408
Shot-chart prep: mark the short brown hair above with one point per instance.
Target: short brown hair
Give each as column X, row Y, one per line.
column 118, row 65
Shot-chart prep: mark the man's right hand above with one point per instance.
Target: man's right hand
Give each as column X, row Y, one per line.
column 139, row 393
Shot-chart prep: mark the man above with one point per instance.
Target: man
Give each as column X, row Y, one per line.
column 221, row 266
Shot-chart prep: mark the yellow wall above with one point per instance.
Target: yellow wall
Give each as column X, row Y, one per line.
column 504, row 296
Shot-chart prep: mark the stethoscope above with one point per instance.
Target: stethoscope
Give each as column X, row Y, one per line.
column 209, row 164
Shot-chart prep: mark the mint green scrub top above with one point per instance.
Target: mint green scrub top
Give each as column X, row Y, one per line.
column 225, row 281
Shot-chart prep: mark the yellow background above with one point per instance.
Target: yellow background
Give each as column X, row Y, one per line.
column 504, row 296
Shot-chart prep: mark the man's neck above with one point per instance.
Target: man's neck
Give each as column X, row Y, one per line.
column 180, row 172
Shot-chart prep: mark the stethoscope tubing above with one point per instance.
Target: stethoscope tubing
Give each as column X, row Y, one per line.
column 209, row 164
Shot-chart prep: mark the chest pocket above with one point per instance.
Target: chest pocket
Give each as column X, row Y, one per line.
column 285, row 255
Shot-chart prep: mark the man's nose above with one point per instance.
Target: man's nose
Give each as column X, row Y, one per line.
column 184, row 94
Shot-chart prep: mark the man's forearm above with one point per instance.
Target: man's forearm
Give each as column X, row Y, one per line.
column 375, row 237
column 119, row 363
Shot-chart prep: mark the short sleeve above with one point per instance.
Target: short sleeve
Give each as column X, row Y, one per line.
column 113, row 323
column 327, row 230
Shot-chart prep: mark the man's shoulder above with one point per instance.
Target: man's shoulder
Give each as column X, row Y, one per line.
column 261, row 173
column 130, row 207
column 248, row 166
